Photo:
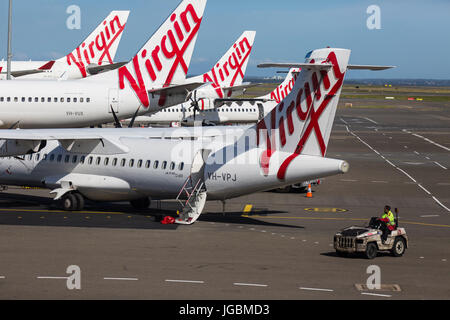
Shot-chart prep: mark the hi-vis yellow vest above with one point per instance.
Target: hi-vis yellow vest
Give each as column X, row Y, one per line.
column 390, row 216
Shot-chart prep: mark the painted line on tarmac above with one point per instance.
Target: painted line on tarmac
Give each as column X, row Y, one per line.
column 316, row 289
column 430, row 216
column 401, row 170
column 56, row 211
column 2, row 277
column 376, row 294
column 250, row 284
column 440, row 165
column 121, row 279
column 51, row 278
column 371, row 120
column 185, row 281
column 426, row 139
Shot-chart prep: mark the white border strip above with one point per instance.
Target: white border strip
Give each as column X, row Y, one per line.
column 121, row 279
column 250, row 284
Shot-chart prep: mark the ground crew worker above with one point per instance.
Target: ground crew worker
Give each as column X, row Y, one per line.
column 388, row 222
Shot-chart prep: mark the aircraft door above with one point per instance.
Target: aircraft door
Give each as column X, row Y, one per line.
column 113, row 100
column 260, row 111
column 198, row 165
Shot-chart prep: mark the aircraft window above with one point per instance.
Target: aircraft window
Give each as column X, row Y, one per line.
column 98, row 160
column 8, row 99
column 81, row 99
column 106, row 162
column 147, row 164
column 172, row 166
column 90, row 160
column 88, row 100
column 74, row 159
column 59, row 158
column 45, row 157
column 139, row 164
column 30, row 157
column 122, row 162
column 181, row 166
column 155, row 164
column 114, row 162
column 82, row 159
column 52, row 157
column 38, row 156
column 16, row 99
column 67, row 159
column 74, row 99
column 62, row 99
column 55, row 99
column 42, row 99
column 164, row 165
column 2, row 99
column 68, row 99
column 23, row 99
column 131, row 163
column 49, row 99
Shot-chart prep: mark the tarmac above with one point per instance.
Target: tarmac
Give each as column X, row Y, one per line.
column 282, row 249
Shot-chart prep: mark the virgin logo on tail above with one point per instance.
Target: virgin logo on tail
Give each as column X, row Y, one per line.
column 98, row 50
column 232, row 68
column 307, row 114
column 284, row 89
column 150, row 62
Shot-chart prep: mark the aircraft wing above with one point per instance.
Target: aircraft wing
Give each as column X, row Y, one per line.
column 176, row 89
column 96, row 69
column 242, row 86
column 17, row 142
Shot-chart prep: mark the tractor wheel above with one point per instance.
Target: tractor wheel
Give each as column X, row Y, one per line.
column 371, row 250
column 399, row 247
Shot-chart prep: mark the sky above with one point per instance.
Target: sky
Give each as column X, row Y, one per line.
column 414, row 35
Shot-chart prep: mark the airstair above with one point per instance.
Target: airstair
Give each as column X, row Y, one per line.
column 193, row 194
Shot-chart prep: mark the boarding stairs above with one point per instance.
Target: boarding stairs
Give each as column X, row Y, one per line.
column 192, row 198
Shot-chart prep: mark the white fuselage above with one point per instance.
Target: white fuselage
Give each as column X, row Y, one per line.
column 242, row 112
column 78, row 103
column 158, row 163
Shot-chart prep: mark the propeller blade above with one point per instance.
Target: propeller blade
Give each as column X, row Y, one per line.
column 117, row 123
column 134, row 118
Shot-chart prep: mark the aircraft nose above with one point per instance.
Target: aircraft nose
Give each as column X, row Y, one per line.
column 344, row 167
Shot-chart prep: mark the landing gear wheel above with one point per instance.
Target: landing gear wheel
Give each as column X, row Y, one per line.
column 399, row 247
column 371, row 250
column 80, row 201
column 69, row 202
column 143, row 203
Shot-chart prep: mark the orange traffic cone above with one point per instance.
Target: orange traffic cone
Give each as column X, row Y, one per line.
column 309, row 193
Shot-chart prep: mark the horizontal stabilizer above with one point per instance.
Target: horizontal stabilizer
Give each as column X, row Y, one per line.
column 322, row 66
column 96, row 69
column 22, row 73
column 310, row 66
column 367, row 67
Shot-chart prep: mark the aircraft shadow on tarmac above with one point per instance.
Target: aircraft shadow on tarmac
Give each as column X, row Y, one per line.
column 238, row 218
column 17, row 209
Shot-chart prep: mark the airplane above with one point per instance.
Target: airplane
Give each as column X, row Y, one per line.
column 235, row 111
column 95, row 54
column 226, row 79
column 192, row 164
column 155, row 78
